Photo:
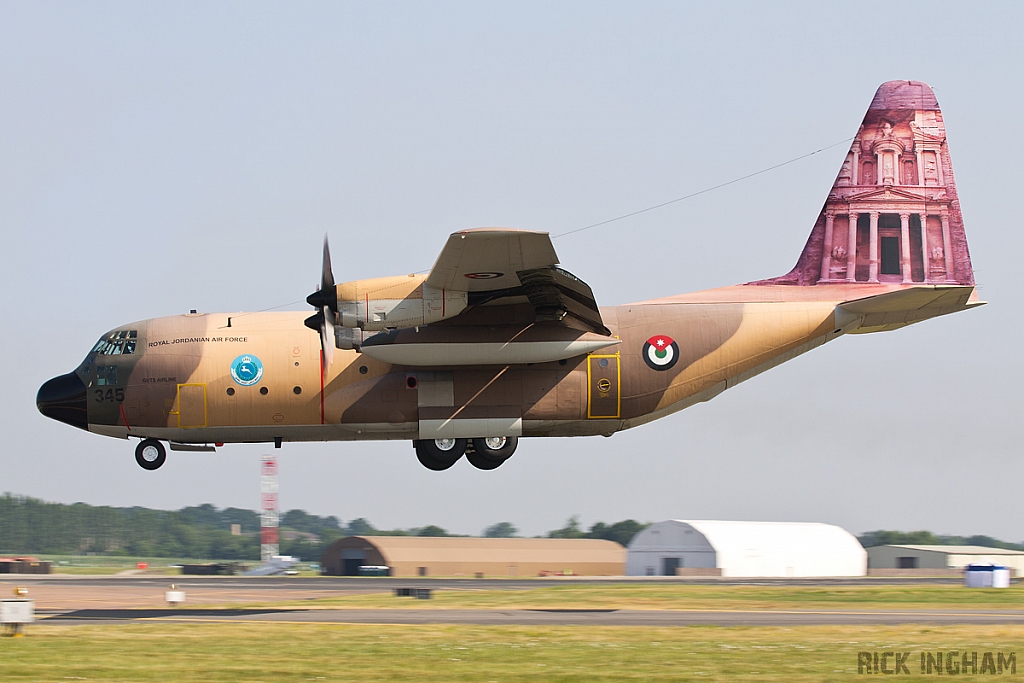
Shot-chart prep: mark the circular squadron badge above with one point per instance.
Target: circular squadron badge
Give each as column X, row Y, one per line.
column 246, row 370
column 661, row 352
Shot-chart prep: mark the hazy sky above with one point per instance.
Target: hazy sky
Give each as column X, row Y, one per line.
column 161, row 157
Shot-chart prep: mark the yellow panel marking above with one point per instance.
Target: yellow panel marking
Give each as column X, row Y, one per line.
column 618, row 386
column 178, row 411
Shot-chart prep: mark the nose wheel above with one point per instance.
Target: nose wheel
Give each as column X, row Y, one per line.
column 150, row 454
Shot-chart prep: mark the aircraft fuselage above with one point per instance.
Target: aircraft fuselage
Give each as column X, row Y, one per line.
column 498, row 341
column 193, row 379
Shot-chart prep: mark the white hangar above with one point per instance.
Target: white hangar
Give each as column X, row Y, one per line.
column 760, row 549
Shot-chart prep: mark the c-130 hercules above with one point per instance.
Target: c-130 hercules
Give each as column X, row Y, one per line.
column 497, row 342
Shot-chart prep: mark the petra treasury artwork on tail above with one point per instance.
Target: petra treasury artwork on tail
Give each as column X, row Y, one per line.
column 498, row 342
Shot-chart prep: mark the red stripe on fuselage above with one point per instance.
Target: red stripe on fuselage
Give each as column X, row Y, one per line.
column 121, row 408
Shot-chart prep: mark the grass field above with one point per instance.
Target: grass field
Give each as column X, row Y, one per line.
column 693, row 597
column 312, row 652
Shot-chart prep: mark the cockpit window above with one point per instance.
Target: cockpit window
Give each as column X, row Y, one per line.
column 106, row 375
column 121, row 342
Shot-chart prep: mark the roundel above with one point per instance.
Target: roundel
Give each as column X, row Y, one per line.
column 246, row 370
column 661, row 352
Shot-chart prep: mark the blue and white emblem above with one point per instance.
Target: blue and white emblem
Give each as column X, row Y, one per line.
column 246, row 370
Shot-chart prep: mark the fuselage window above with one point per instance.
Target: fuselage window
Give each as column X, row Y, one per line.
column 117, row 343
column 106, row 375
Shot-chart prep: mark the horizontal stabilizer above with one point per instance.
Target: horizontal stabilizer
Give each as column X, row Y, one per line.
column 903, row 307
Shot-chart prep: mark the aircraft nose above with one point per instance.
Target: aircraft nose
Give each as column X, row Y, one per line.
column 63, row 399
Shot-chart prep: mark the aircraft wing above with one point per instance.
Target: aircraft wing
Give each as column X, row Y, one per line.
column 488, row 258
column 500, row 266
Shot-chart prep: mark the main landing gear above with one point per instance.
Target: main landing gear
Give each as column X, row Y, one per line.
column 490, row 453
column 483, row 454
column 150, row 454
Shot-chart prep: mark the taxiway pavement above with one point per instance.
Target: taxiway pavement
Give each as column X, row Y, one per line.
column 69, row 599
column 582, row 617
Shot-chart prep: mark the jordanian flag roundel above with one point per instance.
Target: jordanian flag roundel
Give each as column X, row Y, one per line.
column 661, row 352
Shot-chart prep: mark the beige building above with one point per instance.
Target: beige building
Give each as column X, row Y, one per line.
column 942, row 557
column 433, row 556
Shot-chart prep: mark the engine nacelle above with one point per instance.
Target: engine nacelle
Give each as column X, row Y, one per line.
column 395, row 303
column 349, row 338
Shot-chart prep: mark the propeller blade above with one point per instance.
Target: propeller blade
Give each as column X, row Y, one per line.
column 325, row 300
column 327, row 278
column 327, row 294
column 327, row 337
column 315, row 321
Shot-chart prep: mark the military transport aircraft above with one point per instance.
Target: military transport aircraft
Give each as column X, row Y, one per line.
column 497, row 342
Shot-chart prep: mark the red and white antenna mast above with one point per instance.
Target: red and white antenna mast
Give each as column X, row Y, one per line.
column 269, row 515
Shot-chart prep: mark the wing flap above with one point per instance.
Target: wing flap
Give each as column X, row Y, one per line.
column 559, row 296
column 501, row 267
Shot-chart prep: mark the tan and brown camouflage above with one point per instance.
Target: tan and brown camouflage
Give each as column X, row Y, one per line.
column 498, row 342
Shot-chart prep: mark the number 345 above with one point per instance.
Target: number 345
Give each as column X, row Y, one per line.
column 113, row 395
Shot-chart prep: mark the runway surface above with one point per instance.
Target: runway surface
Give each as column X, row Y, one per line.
column 69, row 592
column 535, row 617
column 69, row 599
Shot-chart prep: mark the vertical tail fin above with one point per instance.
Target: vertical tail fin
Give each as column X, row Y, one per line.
column 892, row 215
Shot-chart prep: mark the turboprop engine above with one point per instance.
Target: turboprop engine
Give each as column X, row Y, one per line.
column 395, row 303
column 347, row 310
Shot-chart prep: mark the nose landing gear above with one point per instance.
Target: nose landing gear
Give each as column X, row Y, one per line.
column 150, row 454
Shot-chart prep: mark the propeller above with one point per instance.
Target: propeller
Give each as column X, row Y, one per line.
column 325, row 300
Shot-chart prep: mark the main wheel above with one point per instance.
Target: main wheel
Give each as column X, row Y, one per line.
column 150, row 454
column 439, row 454
column 490, row 453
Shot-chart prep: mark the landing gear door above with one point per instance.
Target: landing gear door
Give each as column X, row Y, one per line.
column 603, row 379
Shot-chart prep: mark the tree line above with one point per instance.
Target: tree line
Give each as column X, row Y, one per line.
column 29, row 526
column 33, row 527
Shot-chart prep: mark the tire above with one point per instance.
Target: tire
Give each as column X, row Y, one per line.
column 483, row 462
column 492, row 452
column 439, row 454
column 150, row 454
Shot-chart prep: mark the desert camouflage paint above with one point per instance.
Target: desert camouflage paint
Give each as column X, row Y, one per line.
column 887, row 250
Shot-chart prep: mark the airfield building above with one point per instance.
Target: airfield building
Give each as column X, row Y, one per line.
column 447, row 556
column 756, row 549
column 942, row 557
